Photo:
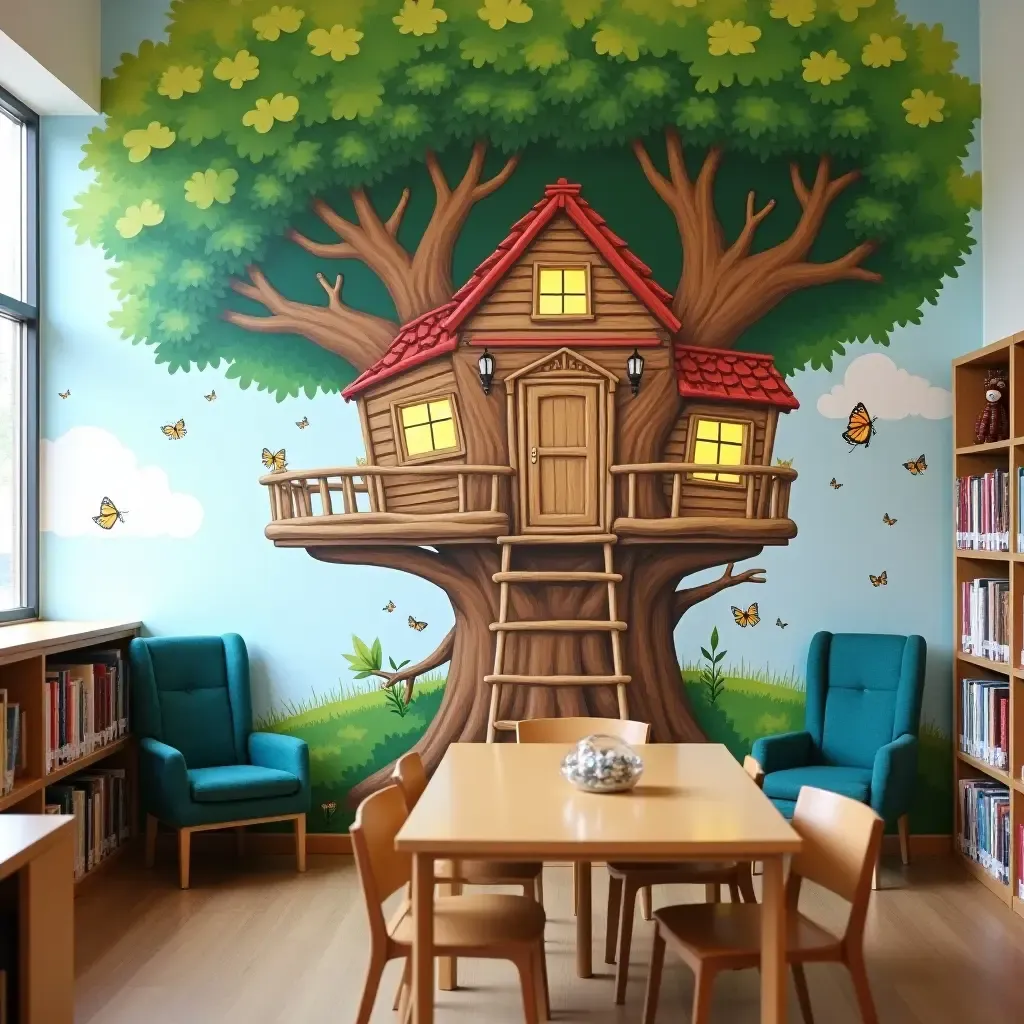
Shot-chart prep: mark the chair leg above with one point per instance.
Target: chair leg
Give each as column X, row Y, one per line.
column 654, row 978
column 371, row 984
column 734, row 892
column 746, row 883
column 611, row 931
column 543, row 992
column 628, row 911
column 184, row 852
column 861, row 985
column 538, row 887
column 712, row 893
column 300, row 842
column 151, row 827
column 402, row 992
column 802, row 994
column 646, row 904
column 575, row 889
column 703, row 990
column 903, row 824
column 526, row 963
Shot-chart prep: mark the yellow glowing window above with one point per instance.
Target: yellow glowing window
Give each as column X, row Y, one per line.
column 719, row 444
column 563, row 291
column 429, row 427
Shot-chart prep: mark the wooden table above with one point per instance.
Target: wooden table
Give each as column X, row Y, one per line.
column 509, row 802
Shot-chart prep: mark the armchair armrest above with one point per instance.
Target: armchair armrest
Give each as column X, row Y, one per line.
column 893, row 777
column 164, row 779
column 285, row 753
column 786, row 750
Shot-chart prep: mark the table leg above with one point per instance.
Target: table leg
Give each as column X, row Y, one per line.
column 423, row 938
column 584, row 929
column 773, row 943
column 448, row 966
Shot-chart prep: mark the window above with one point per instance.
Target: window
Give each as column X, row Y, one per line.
column 19, row 316
column 429, row 427
column 562, row 291
column 719, row 443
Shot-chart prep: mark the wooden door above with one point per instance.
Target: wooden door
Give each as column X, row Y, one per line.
column 562, row 453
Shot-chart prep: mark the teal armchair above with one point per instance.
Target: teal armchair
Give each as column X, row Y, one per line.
column 861, row 724
column 200, row 764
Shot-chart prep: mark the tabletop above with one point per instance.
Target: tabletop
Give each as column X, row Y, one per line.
column 509, row 799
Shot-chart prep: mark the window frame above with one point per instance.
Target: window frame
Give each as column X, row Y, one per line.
column 404, row 458
column 749, row 426
column 560, row 318
column 26, row 313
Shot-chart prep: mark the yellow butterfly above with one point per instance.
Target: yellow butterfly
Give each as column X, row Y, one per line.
column 879, row 581
column 65, row 394
column 417, row 625
column 176, row 431
column 211, row 397
column 916, row 466
column 785, row 463
column 888, row 520
column 750, row 617
column 781, row 624
column 303, row 423
column 274, row 461
column 389, row 607
column 109, row 514
column 861, row 427
column 835, row 486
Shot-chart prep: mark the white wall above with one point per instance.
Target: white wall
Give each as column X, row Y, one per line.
column 1002, row 159
column 50, row 54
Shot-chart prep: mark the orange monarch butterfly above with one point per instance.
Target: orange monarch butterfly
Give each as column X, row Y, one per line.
column 65, row 394
column 175, row 431
column 389, row 607
column 861, row 427
column 417, row 625
column 835, row 486
column 274, row 461
column 915, row 467
column 888, row 520
column 303, row 423
column 750, row 617
column 109, row 514
column 212, row 396
column 879, row 581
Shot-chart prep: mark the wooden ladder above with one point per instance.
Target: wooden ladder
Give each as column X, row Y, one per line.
column 612, row 625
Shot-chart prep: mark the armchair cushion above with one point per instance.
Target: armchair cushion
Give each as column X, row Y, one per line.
column 225, row 783
column 852, row 782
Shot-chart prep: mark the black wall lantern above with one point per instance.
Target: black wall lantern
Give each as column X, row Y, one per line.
column 486, row 365
column 634, row 370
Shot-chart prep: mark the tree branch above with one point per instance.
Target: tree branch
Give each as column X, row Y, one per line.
column 441, row 654
column 686, row 599
column 491, row 185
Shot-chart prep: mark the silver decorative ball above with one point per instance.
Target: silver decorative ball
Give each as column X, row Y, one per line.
column 603, row 764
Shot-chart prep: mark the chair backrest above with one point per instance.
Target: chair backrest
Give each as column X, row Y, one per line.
column 753, row 768
column 863, row 691
column 841, row 840
column 411, row 777
column 572, row 730
column 382, row 869
column 192, row 693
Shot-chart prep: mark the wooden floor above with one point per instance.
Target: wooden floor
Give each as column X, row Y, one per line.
column 255, row 943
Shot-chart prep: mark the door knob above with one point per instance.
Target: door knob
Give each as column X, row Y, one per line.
column 533, row 456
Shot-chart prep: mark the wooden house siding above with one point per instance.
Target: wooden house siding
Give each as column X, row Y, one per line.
column 411, row 494
column 508, row 309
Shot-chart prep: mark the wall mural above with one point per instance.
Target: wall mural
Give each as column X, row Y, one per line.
column 548, row 251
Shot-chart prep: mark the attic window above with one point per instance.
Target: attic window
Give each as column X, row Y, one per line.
column 429, row 427
column 562, row 291
column 718, row 443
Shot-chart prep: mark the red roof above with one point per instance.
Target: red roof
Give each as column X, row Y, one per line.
column 434, row 333
column 724, row 375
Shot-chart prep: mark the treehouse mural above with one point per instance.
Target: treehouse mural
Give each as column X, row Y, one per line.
column 564, row 258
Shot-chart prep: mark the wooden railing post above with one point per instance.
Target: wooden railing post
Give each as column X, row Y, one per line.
column 462, row 492
column 494, row 491
column 631, row 499
column 677, row 485
column 326, row 505
column 349, row 493
column 773, row 503
column 749, row 512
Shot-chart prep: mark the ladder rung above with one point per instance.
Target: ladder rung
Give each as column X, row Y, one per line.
column 559, row 538
column 559, row 626
column 525, row 576
column 558, row 680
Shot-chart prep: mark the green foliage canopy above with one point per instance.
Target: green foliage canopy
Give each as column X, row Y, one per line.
column 216, row 140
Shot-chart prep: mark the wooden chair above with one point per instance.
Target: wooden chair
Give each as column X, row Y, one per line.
column 626, row 880
column 841, row 838
column 572, row 730
column 490, row 927
column 411, row 778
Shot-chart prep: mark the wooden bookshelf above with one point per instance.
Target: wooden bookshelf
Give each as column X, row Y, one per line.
column 24, row 649
column 970, row 459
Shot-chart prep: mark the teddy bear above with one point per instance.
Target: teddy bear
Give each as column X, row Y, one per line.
column 993, row 424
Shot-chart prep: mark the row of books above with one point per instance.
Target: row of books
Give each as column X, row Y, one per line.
column 982, row 511
column 12, row 742
column 87, row 705
column 985, row 720
column 98, row 799
column 985, row 618
column 985, row 826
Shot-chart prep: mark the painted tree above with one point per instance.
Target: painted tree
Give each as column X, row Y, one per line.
column 808, row 151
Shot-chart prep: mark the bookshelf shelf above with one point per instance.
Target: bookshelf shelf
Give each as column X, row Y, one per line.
column 987, row 556
column 1001, row 667
column 100, row 868
column 981, row 766
column 81, row 763
column 1000, row 889
column 23, row 789
column 982, row 449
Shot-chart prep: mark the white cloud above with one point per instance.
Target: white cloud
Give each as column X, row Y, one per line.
column 87, row 464
column 889, row 392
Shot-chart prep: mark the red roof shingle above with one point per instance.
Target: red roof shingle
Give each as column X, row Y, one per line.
column 731, row 376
